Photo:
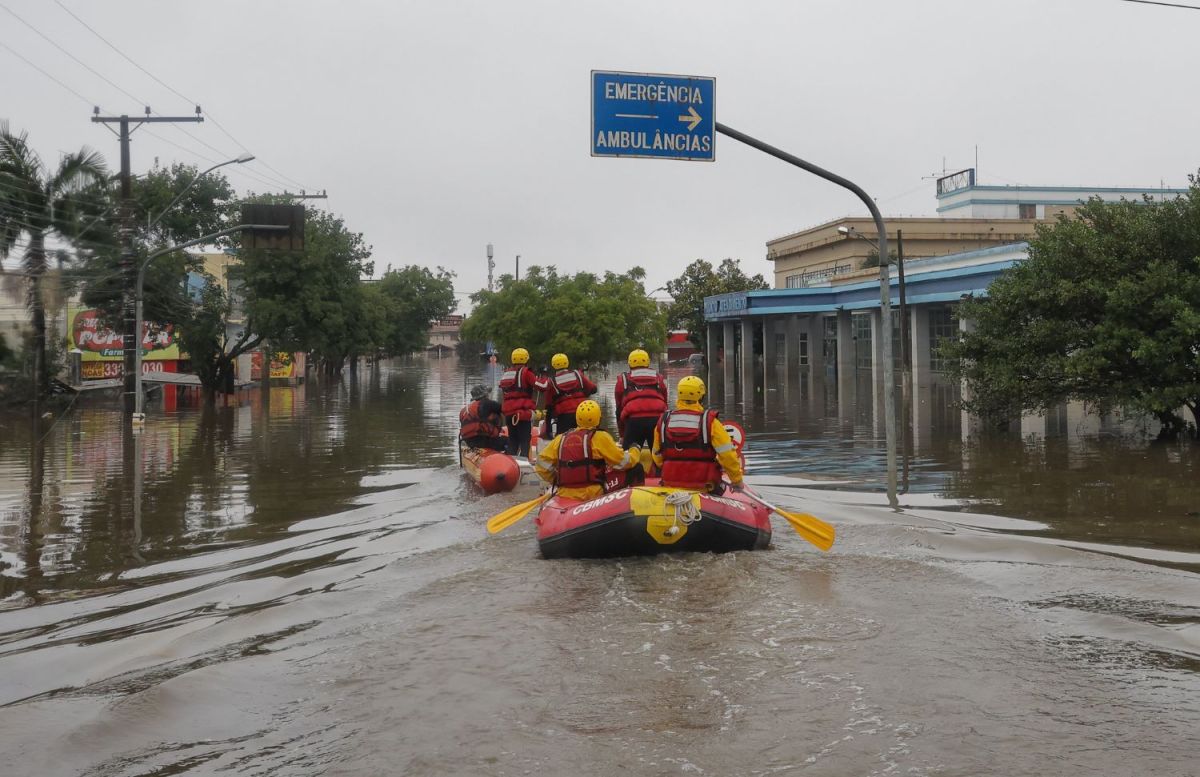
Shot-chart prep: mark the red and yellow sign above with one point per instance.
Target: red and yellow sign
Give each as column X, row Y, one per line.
column 99, row 343
column 283, row 365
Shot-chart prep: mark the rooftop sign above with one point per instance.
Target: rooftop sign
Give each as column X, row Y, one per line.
column 653, row 115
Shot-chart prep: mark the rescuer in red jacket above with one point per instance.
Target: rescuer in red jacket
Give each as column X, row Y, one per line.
column 517, row 386
column 479, row 421
column 641, row 396
column 691, row 446
column 564, row 391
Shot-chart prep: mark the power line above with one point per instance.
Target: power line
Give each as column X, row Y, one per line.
column 83, row 64
column 179, row 94
column 123, row 54
column 1169, row 5
column 43, row 72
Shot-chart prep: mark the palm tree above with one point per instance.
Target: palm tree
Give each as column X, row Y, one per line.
column 39, row 203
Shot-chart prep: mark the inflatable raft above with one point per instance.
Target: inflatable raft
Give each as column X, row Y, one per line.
column 495, row 472
column 651, row 519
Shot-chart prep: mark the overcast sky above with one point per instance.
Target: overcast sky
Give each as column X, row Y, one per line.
column 438, row 127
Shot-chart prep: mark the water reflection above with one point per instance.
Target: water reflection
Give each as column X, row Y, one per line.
column 83, row 500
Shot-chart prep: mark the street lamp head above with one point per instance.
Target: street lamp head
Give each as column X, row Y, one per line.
column 244, row 157
column 844, row 230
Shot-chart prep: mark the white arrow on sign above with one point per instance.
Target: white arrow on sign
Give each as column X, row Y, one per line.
column 691, row 118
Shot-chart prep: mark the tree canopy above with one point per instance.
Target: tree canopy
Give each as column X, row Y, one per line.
column 700, row 280
column 400, row 306
column 1106, row 309
column 591, row 318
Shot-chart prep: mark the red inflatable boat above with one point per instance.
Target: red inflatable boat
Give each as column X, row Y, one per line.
column 651, row 519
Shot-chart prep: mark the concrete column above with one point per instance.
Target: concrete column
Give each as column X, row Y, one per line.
column 845, row 364
column 815, row 376
column 727, row 362
column 791, row 348
column 770, row 352
column 746, row 361
column 919, row 348
column 712, row 347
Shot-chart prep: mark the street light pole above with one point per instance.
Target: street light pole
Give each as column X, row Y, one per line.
column 141, row 276
column 138, row 417
column 241, row 159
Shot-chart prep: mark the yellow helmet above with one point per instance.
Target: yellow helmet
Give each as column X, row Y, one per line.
column 587, row 415
column 520, row 356
column 638, row 358
column 559, row 361
column 690, row 389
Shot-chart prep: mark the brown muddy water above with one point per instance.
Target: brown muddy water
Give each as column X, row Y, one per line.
column 305, row 587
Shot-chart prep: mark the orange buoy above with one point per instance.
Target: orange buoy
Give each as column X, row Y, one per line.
column 499, row 472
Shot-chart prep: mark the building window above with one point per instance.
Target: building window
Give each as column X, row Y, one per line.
column 942, row 327
column 829, row 352
column 803, row 349
column 1027, row 211
column 861, row 327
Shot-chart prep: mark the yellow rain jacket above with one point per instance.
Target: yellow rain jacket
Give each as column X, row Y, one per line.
column 727, row 455
column 603, row 447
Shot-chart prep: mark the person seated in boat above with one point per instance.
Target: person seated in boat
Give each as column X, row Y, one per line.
column 565, row 389
column 691, row 446
column 641, row 396
column 518, row 385
column 575, row 461
column 479, row 421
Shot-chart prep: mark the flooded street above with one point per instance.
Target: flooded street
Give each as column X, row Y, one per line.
column 307, row 588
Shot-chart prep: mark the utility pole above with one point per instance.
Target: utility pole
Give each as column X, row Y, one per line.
column 518, row 268
column 491, row 268
column 905, row 340
column 131, row 340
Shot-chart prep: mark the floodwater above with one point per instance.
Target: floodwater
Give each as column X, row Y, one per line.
column 305, row 587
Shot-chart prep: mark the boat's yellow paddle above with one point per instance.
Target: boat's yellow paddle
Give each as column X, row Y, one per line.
column 501, row 521
column 807, row 526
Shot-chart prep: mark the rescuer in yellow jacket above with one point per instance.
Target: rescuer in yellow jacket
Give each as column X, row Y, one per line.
column 691, row 446
column 575, row 460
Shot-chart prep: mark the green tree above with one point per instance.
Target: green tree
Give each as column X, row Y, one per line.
column 411, row 298
column 41, row 203
column 1106, row 309
column 209, row 206
column 700, row 280
column 592, row 319
column 311, row 300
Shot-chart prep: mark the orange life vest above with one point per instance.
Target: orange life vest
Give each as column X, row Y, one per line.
column 689, row 460
column 576, row 467
column 474, row 426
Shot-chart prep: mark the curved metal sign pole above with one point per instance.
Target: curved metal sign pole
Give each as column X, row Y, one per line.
column 885, row 296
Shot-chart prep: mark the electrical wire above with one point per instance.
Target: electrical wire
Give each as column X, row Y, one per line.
column 43, row 72
column 1169, row 5
column 177, row 93
column 83, row 64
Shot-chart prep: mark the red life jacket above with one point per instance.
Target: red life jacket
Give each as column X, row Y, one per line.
column 643, row 394
column 576, row 467
column 474, row 426
column 569, row 391
column 516, row 385
column 689, row 460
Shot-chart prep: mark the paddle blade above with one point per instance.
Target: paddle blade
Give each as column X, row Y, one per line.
column 811, row 528
column 502, row 521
